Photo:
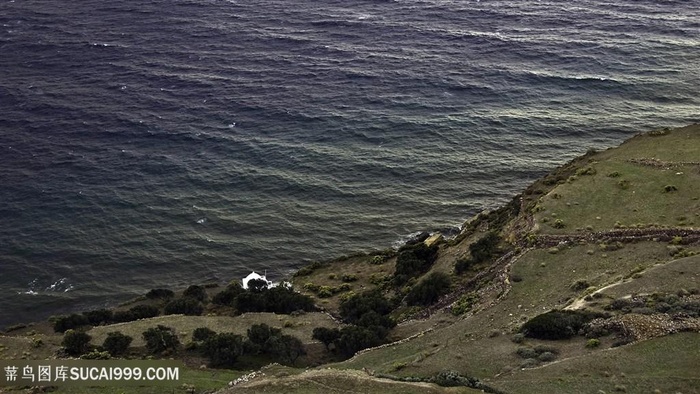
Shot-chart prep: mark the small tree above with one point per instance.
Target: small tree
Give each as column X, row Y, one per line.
column 223, row 349
column 76, row 342
column 259, row 334
column 160, row 339
column 286, row 347
column 116, row 343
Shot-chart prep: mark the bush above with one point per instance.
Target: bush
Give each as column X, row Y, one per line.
column 260, row 334
column 526, row 352
column 76, row 342
column 429, row 290
column 196, row 292
column 354, row 338
column 144, row 311
column 465, row 303
column 123, row 316
column 462, row 265
column 518, row 338
column 95, row 355
column 547, row 356
column 116, row 343
column 160, row 294
column 201, row 334
column 557, row 324
column 670, row 188
column 353, row 308
column 70, row 322
column 186, row 306
column 349, row 278
column 286, row 348
column 592, row 343
column 278, row 299
column 160, row 339
column 485, row 248
column 228, row 296
column 414, row 260
column 326, row 335
column 223, row 349
column 99, row 316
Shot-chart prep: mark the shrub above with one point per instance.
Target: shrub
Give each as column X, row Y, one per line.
column 278, row 299
column 453, row 379
column 592, row 343
column 546, row 356
column 70, row 322
column 429, row 290
column 201, row 334
column 518, row 338
column 228, row 296
column 378, row 259
column 325, row 292
column 326, row 335
column 462, row 265
column 186, row 306
column 413, row 260
column 260, row 334
column 160, row 294
column 558, row 224
column 349, row 278
column 96, row 355
column 670, row 188
column 586, row 171
column 353, row 308
column 354, row 338
column 116, row 343
column 99, row 316
column 144, row 311
column 546, row 348
column 286, row 348
column 557, row 324
column 160, row 339
column 223, row 349
column 196, row 292
column 76, row 342
column 123, row 316
column 526, row 352
column 465, row 303
column 485, row 248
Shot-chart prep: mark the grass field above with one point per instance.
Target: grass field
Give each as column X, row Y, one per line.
column 619, row 191
column 668, row 364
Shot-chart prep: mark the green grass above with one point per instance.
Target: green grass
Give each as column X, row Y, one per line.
column 635, row 196
column 668, row 364
column 666, row 278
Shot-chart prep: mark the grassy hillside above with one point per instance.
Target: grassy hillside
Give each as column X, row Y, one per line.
column 586, row 282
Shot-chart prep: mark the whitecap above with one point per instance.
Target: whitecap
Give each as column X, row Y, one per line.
column 201, row 221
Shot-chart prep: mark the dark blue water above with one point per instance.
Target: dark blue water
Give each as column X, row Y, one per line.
column 154, row 143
